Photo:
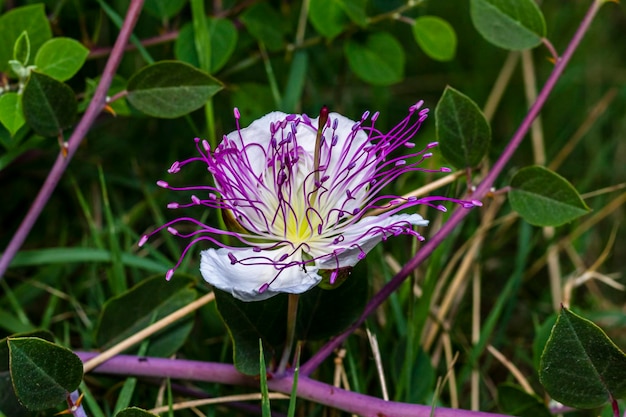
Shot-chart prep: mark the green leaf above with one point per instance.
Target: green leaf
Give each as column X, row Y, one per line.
column 249, row 322
column 21, row 49
column 11, row 115
column 170, row 89
column 266, row 410
column 164, row 9
column 436, row 37
column 544, row 198
column 265, row 25
column 580, row 366
column 61, row 58
column 49, row 105
column 509, row 24
column 43, row 373
column 139, row 307
column 134, row 412
column 378, row 61
column 223, row 37
column 31, row 19
column 514, row 401
column 327, row 17
column 462, row 130
column 326, row 313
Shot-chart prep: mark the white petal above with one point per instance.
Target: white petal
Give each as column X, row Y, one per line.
column 244, row 281
column 349, row 255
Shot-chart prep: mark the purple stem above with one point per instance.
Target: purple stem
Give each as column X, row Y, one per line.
column 309, row 389
column 459, row 214
column 95, row 107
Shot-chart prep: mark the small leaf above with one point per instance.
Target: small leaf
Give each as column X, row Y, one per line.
column 136, row 309
column 11, row 114
column 462, row 130
column 49, row 105
column 514, row 401
column 580, row 366
column 436, row 37
column 509, row 24
column 378, row 61
column 30, row 19
column 61, row 58
column 265, row 24
column 544, row 198
column 327, row 17
column 43, row 373
column 222, row 35
column 249, row 322
column 170, row 89
column 134, row 412
column 21, row 49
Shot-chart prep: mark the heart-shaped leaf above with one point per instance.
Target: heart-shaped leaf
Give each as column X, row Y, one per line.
column 580, row 366
column 170, row 89
column 43, row 373
column 462, row 130
column 544, row 198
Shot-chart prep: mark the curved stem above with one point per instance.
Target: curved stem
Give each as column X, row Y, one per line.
column 319, row 392
column 95, row 108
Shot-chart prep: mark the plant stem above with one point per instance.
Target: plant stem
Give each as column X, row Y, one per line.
column 319, row 392
column 93, row 110
column 292, row 315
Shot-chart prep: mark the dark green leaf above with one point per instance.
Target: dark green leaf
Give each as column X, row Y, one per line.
column 436, row 37
column 462, row 130
column 327, row 17
column 580, row 366
column 514, row 401
column 378, row 61
column 509, row 24
column 249, row 322
column 139, row 307
column 223, row 38
column 164, row 9
column 49, row 105
column 61, row 58
column 544, row 198
column 170, row 89
column 43, row 373
column 134, row 412
column 265, row 24
column 21, row 49
column 31, row 19
column 326, row 313
column 11, row 114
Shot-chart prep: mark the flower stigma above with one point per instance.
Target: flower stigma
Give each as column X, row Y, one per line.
column 298, row 196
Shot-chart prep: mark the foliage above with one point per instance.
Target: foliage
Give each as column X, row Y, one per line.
column 485, row 285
